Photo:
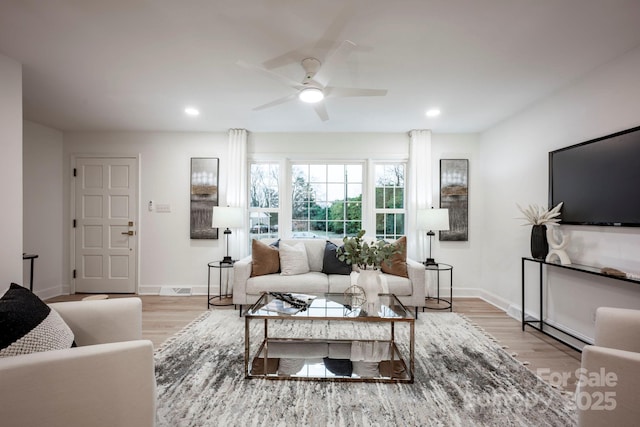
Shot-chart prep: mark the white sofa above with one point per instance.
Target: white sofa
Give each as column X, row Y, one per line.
column 107, row 381
column 246, row 289
column 602, row 399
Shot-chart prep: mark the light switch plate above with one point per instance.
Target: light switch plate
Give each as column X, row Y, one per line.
column 163, row 208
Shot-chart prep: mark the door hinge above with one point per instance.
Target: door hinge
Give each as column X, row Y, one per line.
column 74, row 223
column 74, row 274
column 75, row 172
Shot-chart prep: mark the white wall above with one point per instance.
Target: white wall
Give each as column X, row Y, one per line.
column 514, row 163
column 11, row 172
column 43, row 221
column 463, row 256
column 168, row 257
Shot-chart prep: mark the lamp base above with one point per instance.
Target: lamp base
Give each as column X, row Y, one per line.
column 226, row 260
column 430, row 261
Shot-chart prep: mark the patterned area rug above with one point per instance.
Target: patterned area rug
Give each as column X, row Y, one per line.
column 463, row 378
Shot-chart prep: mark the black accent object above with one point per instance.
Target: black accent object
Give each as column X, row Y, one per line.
column 227, row 258
column 31, row 257
column 598, row 180
column 539, row 244
column 291, row 300
column 340, row 367
column 430, row 260
column 331, row 264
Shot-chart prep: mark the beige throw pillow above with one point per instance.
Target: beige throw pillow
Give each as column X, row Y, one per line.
column 264, row 259
column 293, row 259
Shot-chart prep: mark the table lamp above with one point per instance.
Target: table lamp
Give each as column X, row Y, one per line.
column 227, row 217
column 432, row 220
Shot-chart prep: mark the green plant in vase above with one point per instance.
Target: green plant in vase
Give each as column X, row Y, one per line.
column 366, row 255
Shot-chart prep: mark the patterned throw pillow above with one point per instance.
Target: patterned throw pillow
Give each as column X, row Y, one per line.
column 28, row 325
column 398, row 265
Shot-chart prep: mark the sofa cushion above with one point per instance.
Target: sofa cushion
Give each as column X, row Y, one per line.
column 308, row 283
column 338, row 283
column 28, row 325
column 265, row 259
column 398, row 265
column 331, row 264
column 293, row 259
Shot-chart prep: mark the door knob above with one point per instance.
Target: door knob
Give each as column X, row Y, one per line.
column 128, row 233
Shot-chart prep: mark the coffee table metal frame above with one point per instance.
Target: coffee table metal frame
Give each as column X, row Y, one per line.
column 254, row 312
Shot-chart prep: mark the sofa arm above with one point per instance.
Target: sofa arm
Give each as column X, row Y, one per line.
column 417, row 277
column 102, row 385
column 603, row 400
column 241, row 273
column 618, row 328
column 102, row 321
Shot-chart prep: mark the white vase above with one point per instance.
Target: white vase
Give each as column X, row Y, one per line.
column 369, row 280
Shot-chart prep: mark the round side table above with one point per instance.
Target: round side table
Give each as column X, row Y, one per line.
column 447, row 303
column 220, row 299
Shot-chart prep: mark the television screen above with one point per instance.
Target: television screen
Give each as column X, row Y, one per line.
column 598, row 180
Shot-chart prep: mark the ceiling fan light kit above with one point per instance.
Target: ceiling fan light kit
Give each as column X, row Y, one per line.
column 311, row 95
column 314, row 87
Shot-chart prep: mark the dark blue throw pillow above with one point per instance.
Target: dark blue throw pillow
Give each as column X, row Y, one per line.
column 331, row 264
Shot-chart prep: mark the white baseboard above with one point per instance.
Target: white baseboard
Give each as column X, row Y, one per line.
column 54, row 291
column 155, row 289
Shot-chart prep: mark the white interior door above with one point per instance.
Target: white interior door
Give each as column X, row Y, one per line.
column 105, row 225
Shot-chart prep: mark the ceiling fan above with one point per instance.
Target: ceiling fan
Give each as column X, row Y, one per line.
column 314, row 87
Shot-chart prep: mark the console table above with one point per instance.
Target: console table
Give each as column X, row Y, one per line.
column 540, row 324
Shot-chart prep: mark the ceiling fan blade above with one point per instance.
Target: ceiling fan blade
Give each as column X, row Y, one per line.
column 277, row 102
column 343, row 92
column 336, row 58
column 268, row 73
column 321, row 110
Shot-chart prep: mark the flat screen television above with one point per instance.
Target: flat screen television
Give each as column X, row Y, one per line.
column 598, row 180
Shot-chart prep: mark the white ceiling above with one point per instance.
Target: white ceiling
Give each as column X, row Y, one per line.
column 135, row 64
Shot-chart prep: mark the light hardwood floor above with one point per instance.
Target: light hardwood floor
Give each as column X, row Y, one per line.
column 163, row 316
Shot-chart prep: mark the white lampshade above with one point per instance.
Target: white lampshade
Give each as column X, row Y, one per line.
column 227, row 217
column 433, row 219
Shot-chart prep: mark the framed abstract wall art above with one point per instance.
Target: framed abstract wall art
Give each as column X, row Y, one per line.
column 454, row 195
column 204, row 196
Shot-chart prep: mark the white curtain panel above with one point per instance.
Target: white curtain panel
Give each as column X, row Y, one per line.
column 237, row 189
column 420, row 193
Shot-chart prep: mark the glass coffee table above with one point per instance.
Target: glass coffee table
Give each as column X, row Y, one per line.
column 365, row 350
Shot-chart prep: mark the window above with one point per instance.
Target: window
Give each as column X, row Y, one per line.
column 326, row 200
column 264, row 200
column 390, row 203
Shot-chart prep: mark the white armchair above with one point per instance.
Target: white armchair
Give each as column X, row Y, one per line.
column 107, row 381
column 610, row 392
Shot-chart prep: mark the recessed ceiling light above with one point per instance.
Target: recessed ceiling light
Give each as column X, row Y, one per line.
column 190, row 111
column 311, row 95
column 434, row 112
